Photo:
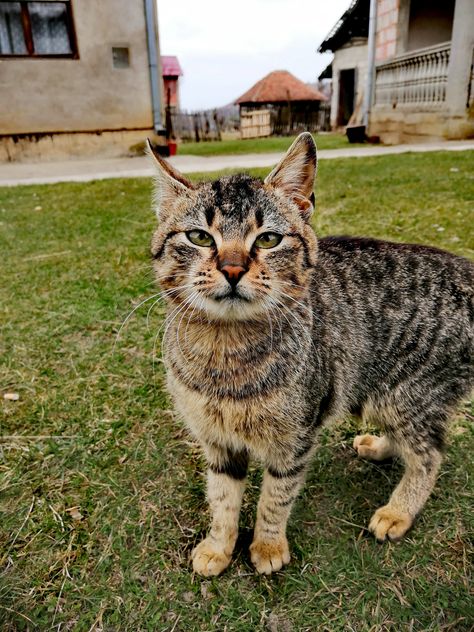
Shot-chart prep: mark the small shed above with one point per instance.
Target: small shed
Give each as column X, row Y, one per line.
column 171, row 72
column 279, row 104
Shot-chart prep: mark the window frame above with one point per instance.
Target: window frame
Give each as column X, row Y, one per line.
column 28, row 34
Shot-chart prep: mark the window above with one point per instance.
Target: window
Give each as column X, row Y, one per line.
column 120, row 56
column 37, row 29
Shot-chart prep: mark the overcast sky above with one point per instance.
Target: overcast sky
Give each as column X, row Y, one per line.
column 224, row 47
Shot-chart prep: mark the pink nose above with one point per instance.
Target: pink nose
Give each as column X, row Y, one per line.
column 233, row 273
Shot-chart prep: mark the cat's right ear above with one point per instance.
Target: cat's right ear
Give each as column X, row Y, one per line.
column 170, row 184
column 295, row 173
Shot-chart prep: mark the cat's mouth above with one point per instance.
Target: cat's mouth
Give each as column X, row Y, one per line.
column 232, row 304
column 232, row 296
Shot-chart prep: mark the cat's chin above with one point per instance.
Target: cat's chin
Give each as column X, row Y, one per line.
column 233, row 308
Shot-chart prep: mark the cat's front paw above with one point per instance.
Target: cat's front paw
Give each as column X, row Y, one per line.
column 390, row 523
column 208, row 560
column 269, row 556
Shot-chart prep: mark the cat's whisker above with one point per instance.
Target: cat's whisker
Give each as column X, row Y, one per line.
column 165, row 294
column 304, row 329
column 274, row 308
column 127, row 318
column 150, row 309
column 282, row 304
column 299, row 303
column 306, row 333
column 200, row 298
column 155, row 340
column 301, row 287
column 183, row 306
column 192, row 298
column 297, row 338
column 305, row 307
column 170, row 316
column 160, row 295
column 271, row 330
column 178, row 288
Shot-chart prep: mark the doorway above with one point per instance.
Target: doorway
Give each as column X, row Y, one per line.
column 346, row 95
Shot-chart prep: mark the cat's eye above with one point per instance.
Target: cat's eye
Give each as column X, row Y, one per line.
column 268, row 240
column 200, row 238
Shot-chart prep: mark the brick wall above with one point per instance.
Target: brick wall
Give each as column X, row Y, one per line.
column 386, row 36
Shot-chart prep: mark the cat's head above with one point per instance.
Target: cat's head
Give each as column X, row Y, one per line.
column 236, row 248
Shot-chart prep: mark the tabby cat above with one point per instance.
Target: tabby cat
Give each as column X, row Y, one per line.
column 270, row 333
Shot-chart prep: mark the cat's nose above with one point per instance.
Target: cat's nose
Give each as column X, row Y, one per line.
column 233, row 273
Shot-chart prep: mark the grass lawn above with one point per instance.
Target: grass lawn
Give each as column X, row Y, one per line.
column 261, row 145
column 102, row 492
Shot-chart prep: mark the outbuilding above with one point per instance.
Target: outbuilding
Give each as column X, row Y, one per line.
column 279, row 104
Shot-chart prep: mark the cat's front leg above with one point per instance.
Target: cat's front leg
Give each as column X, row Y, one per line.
column 227, row 470
column 269, row 550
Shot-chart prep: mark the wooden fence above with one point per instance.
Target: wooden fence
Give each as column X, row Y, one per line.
column 255, row 124
column 284, row 120
column 201, row 126
column 209, row 125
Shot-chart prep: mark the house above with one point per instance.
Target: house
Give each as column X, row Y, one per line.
column 348, row 70
column 78, row 77
column 279, row 104
column 171, row 72
column 424, row 84
column 423, row 76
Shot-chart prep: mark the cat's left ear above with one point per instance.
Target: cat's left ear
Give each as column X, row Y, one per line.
column 295, row 173
column 170, row 184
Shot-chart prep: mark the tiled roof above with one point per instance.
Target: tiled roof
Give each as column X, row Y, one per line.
column 170, row 66
column 280, row 86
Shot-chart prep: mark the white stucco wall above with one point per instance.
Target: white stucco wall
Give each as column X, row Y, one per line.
column 87, row 94
column 353, row 55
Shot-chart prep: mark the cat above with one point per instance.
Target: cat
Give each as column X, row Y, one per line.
column 272, row 333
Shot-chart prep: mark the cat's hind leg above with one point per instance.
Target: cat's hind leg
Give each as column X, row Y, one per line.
column 375, row 448
column 422, row 459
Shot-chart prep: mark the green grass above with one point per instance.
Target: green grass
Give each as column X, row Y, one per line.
column 261, row 145
column 102, row 493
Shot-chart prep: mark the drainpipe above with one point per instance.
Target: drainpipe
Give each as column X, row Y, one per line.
column 369, row 89
column 154, row 65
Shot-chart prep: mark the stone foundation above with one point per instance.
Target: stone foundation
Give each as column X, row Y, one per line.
column 403, row 125
column 64, row 146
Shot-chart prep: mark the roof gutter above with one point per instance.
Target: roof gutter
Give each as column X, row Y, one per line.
column 369, row 89
column 151, row 20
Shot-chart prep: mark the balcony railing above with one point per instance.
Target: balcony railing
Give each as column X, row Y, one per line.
column 417, row 78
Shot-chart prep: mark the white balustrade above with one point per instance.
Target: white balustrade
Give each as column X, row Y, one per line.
column 418, row 77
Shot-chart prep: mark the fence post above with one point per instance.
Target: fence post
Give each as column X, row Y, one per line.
column 196, row 128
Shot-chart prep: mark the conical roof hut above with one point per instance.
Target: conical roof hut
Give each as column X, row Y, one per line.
column 280, row 86
column 279, row 104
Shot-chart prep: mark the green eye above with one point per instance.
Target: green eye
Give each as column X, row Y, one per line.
column 268, row 240
column 200, row 238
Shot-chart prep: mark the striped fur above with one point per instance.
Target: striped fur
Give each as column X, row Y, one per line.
column 312, row 331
